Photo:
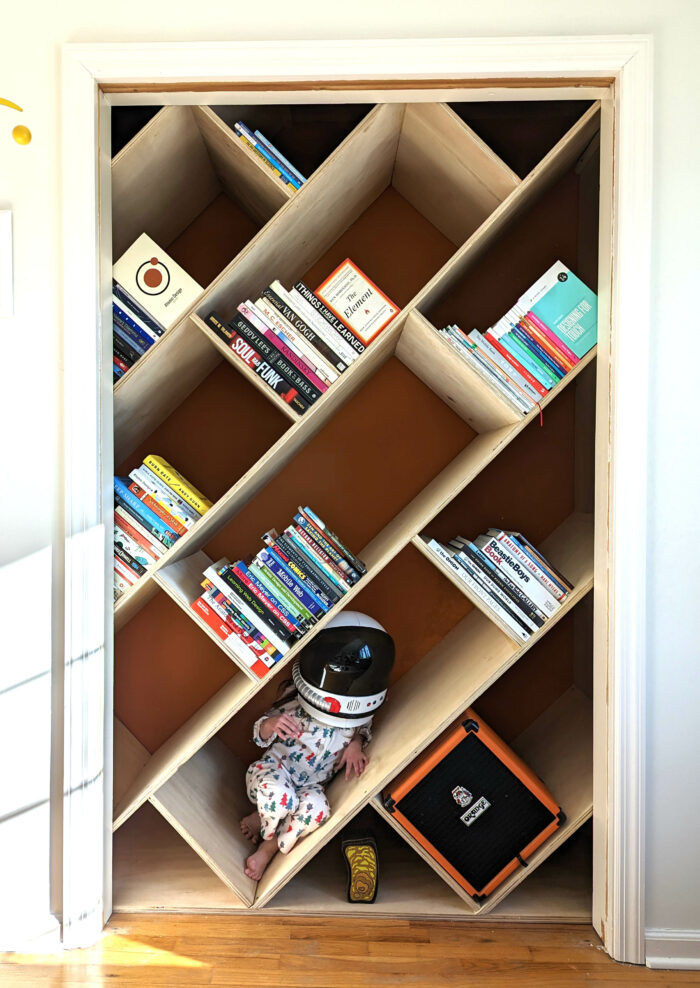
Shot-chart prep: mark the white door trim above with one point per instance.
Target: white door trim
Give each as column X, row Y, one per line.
column 622, row 416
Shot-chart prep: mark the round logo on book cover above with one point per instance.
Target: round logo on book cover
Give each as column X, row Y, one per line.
column 152, row 277
column 562, row 276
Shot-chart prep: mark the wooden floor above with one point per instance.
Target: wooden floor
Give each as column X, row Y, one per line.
column 167, row 951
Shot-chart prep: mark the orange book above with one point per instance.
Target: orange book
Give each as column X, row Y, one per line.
column 157, row 509
column 546, row 345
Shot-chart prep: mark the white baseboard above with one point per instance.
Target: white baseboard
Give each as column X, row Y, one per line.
column 677, row 950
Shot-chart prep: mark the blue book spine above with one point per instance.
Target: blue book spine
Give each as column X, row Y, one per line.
column 283, row 573
column 126, row 321
column 252, row 139
column 140, row 312
column 538, row 351
column 117, row 371
column 119, row 309
column 516, row 349
column 278, row 154
column 130, row 338
column 293, row 605
column 303, row 547
column 270, row 597
column 154, row 523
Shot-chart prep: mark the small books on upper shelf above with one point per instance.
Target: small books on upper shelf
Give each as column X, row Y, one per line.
column 150, row 292
column 153, row 507
column 298, row 341
column 269, row 156
column 509, row 575
column 537, row 342
column 259, row 608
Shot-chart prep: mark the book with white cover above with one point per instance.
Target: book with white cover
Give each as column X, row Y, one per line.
column 155, row 281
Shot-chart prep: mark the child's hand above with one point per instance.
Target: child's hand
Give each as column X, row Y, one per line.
column 354, row 759
column 283, row 725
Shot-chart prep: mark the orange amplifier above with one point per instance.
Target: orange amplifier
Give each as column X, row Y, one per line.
column 474, row 806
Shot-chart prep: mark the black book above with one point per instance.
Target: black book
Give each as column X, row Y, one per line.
column 129, row 560
column 124, row 351
column 519, row 598
column 256, row 606
column 145, row 317
column 330, row 317
column 303, row 560
column 476, row 574
column 274, row 357
column 311, row 335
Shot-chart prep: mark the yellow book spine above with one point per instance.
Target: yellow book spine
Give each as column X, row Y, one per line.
column 176, row 482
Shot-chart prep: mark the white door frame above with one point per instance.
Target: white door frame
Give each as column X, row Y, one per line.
column 620, row 69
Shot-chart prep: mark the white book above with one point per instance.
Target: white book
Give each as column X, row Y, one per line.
column 494, row 588
column 130, row 545
column 296, row 301
column 125, row 571
column 242, row 606
column 504, row 559
column 476, row 588
column 155, row 281
column 298, row 341
column 233, row 643
column 498, row 358
column 554, row 589
column 467, row 355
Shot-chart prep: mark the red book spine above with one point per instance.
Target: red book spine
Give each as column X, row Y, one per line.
column 553, row 338
column 120, row 363
column 211, row 619
column 157, row 509
column 518, row 366
column 136, row 536
column 548, row 347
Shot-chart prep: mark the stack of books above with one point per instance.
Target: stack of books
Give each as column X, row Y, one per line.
column 153, row 507
column 298, row 341
column 537, row 342
column 270, row 157
column 509, row 576
column 150, row 292
column 261, row 607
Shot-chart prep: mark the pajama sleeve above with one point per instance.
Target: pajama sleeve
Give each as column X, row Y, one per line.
column 256, row 729
column 364, row 733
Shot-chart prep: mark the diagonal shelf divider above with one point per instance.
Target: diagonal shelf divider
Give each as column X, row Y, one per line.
column 446, row 681
column 558, row 746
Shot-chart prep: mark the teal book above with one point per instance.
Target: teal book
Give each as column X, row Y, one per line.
column 568, row 307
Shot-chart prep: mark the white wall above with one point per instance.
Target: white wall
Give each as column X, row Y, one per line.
column 30, row 382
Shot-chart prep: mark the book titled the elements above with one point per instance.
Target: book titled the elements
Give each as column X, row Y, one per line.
column 357, row 301
column 155, row 282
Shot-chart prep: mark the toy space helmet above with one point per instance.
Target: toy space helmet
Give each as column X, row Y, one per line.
column 343, row 673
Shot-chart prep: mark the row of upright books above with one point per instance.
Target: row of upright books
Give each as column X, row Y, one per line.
column 270, row 156
column 153, row 507
column 300, row 341
column 150, row 292
column 537, row 342
column 262, row 606
column 509, row 575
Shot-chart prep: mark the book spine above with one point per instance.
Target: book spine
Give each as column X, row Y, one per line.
column 265, row 161
column 267, row 331
column 133, row 527
column 308, row 558
column 278, row 154
column 132, row 547
column 485, row 373
column 157, row 509
column 281, row 593
column 258, row 146
column 333, row 539
column 144, row 333
column 342, row 577
column 123, row 367
column 538, row 336
column 554, row 589
column 296, row 587
column 521, row 353
column 467, row 578
column 505, row 560
column 250, row 356
column 305, row 573
column 119, row 349
column 241, row 599
column 165, row 496
column 259, row 609
column 330, row 316
column 177, row 483
column 274, row 358
column 138, row 340
column 516, row 594
column 324, row 546
column 544, row 563
column 244, row 629
column 148, row 518
column 284, row 620
column 137, row 315
column 521, row 333
column 123, row 345
column 511, row 604
column 552, row 337
column 308, row 352
column 121, row 553
column 482, row 354
column 121, row 585
column 298, row 624
column 319, row 334
column 125, row 571
column 233, row 640
column 511, row 372
column 538, row 388
column 131, row 302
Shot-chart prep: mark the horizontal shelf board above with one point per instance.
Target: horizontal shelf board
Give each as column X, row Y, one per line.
column 249, row 374
column 155, row 870
column 204, row 802
column 431, row 358
column 447, row 681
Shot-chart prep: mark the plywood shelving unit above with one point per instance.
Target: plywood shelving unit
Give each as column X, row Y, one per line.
column 408, row 442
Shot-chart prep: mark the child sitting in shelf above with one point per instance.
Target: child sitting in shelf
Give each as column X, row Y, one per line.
column 340, row 681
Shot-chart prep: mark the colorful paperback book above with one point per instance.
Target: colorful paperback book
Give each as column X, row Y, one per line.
column 333, row 539
column 124, row 541
column 530, row 562
column 132, row 526
column 248, row 311
column 131, row 306
column 296, row 340
column 149, row 518
column 305, row 320
column 280, row 592
column 213, row 574
column 273, row 562
column 165, row 496
column 350, row 345
column 566, row 306
column 278, row 154
column 322, row 583
column 257, row 145
column 507, row 561
column 176, row 482
column 156, row 282
column 357, row 301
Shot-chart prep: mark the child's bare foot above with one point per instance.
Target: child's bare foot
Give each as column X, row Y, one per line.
column 257, row 863
column 250, row 827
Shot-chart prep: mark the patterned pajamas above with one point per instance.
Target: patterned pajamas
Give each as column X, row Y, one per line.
column 286, row 783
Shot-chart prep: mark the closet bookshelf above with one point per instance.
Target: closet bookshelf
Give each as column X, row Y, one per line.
column 409, row 441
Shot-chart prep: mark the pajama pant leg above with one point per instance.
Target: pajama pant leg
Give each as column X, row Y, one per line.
column 312, row 811
column 271, row 789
